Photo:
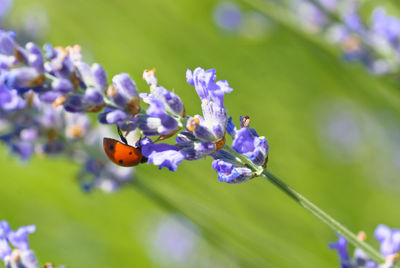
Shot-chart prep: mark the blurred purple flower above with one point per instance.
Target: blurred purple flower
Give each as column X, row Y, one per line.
column 386, row 26
column 173, row 241
column 5, row 6
column 341, row 247
column 389, row 239
column 21, row 256
column 227, row 16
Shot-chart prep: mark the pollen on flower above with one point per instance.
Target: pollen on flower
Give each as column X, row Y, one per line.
column 149, row 77
column 220, row 143
column 59, row 101
column 75, row 132
column 95, row 109
column 351, row 44
column 74, row 52
column 16, row 256
column 133, row 106
column 362, row 236
column 61, row 55
column 192, row 123
column 37, row 81
column 111, row 91
column 30, row 99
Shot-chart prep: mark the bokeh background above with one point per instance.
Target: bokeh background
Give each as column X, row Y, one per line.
column 333, row 129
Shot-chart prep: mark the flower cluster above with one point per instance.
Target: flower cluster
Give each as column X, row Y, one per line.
column 200, row 135
column 21, row 255
column 14, row 247
column 374, row 43
column 43, row 100
column 45, row 97
column 389, row 240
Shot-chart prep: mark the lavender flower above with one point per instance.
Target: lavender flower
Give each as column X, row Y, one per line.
column 162, row 155
column 342, row 250
column 21, row 256
column 227, row 16
column 45, row 96
column 165, row 112
column 247, row 143
column 390, row 245
column 5, row 6
column 389, row 239
column 205, row 134
column 173, row 240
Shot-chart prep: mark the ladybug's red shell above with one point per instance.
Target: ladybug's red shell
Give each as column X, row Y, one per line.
column 122, row 154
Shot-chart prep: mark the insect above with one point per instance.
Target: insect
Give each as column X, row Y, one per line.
column 121, row 153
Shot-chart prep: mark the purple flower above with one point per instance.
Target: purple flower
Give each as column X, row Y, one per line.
column 19, row 238
column 389, row 239
column 23, row 79
column 165, row 109
column 247, row 142
column 76, row 125
column 10, row 100
column 112, row 116
column 23, row 257
column 206, row 87
column 212, row 127
column 94, row 96
column 5, row 6
column 124, row 93
column 173, row 241
column 193, row 149
column 157, row 122
column 227, row 16
column 62, row 85
column 205, row 134
column 35, row 57
column 353, row 22
column 7, row 43
column 161, row 154
column 76, row 104
column 4, row 228
column 386, row 26
column 5, row 249
column 99, row 76
column 228, row 172
column 341, row 247
column 329, row 4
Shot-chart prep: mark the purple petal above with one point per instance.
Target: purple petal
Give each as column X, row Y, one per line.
column 4, row 228
column 99, row 75
column 5, row 249
column 19, row 238
column 163, row 155
column 125, row 84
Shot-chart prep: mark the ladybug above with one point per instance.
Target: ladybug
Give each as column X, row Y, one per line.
column 121, row 153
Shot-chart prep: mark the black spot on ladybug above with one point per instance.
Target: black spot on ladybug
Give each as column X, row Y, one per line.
column 120, row 161
column 111, row 147
column 130, row 152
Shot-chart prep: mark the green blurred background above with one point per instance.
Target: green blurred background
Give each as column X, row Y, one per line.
column 333, row 129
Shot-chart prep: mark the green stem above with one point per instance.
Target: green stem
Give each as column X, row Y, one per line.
column 335, row 225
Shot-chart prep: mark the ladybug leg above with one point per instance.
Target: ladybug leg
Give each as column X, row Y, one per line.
column 121, row 136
